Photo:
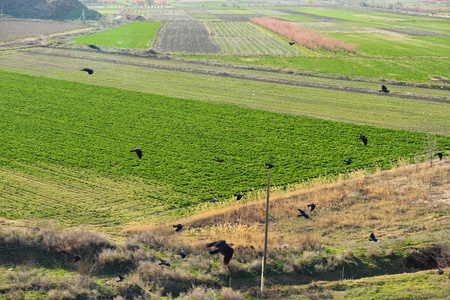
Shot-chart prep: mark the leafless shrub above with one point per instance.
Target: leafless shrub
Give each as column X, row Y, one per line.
column 199, row 293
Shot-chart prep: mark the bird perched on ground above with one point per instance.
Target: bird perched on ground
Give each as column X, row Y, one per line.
column 302, row 214
column 164, row 262
column 269, row 165
column 138, row 152
column 220, row 160
column 213, row 200
column 76, row 258
column 182, row 253
column 441, row 271
column 178, row 226
column 291, row 43
column 89, row 71
column 384, row 89
column 224, row 248
column 439, row 154
column 94, row 47
column 349, row 161
column 238, row 196
column 121, row 278
column 373, row 238
column 313, row 206
column 363, row 138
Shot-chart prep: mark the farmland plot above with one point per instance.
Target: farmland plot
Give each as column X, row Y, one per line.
column 201, row 15
column 14, row 29
column 237, row 17
column 245, row 39
column 185, row 37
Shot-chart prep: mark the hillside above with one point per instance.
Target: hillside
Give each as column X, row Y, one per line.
column 326, row 257
column 46, row 9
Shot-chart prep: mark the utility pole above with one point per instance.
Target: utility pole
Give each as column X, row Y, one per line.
column 263, row 270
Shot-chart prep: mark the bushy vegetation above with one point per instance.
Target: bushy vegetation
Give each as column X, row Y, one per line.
column 306, row 37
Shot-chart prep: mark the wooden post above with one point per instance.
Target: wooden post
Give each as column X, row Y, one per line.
column 263, row 270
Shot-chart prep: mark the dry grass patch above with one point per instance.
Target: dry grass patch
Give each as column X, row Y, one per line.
column 387, row 202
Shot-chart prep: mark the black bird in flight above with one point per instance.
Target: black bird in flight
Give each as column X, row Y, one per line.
column 138, row 152
column 303, row 214
column 291, row 43
column 363, row 138
column 164, row 262
column 182, row 253
column 224, row 248
column 373, row 238
column 238, row 196
column 269, row 165
column 76, row 258
column 313, row 206
column 121, row 278
column 220, row 160
column 439, row 154
column 384, row 89
column 94, row 47
column 349, row 161
column 178, row 226
column 89, row 71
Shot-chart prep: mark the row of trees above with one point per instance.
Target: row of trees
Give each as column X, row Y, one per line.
column 305, row 37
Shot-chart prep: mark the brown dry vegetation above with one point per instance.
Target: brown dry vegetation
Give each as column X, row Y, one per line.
column 407, row 208
column 391, row 203
column 306, row 37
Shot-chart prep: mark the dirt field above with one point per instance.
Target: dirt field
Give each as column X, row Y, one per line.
column 187, row 37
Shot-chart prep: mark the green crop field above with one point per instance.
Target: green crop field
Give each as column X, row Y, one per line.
column 92, row 128
column 414, row 69
column 139, row 35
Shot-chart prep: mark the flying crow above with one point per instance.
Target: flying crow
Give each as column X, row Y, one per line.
column 238, row 196
column 121, row 278
column 178, row 226
column 224, row 248
column 291, row 43
column 138, row 152
column 363, row 138
column 373, row 238
column 164, row 262
column 313, row 206
column 76, row 258
column 94, row 47
column 302, row 214
column 439, row 154
column 90, row 71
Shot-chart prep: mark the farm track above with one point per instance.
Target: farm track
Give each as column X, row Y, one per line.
column 267, row 79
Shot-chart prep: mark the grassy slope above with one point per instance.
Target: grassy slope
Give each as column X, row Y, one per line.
column 180, row 139
column 139, row 35
column 310, row 252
